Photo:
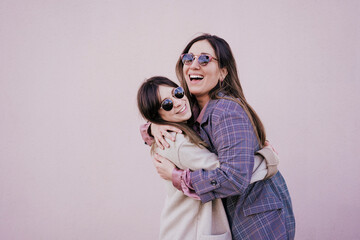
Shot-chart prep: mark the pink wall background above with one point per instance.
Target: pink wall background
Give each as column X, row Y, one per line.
column 72, row 163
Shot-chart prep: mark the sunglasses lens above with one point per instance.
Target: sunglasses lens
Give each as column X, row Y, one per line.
column 167, row 104
column 187, row 58
column 179, row 92
column 204, row 59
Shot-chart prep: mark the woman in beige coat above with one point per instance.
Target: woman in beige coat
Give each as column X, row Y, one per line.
column 162, row 101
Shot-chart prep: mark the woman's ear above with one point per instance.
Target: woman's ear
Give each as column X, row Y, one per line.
column 223, row 73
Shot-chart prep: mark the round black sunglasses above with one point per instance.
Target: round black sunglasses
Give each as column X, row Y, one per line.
column 167, row 104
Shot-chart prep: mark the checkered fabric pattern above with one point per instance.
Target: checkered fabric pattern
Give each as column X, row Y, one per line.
column 261, row 210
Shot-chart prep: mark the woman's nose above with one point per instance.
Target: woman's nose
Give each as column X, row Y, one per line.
column 195, row 64
column 177, row 102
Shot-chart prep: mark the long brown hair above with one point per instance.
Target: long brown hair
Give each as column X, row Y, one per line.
column 230, row 86
column 149, row 102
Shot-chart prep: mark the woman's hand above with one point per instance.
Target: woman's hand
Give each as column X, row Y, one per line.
column 160, row 132
column 163, row 166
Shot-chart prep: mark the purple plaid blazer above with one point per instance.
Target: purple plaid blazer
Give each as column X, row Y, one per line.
column 261, row 210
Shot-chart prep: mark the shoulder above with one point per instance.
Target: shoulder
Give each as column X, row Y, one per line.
column 225, row 107
column 227, row 103
column 180, row 139
column 172, row 152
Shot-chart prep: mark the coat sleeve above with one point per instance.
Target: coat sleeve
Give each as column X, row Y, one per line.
column 234, row 139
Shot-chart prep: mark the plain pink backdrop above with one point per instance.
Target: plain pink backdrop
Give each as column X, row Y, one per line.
column 72, row 163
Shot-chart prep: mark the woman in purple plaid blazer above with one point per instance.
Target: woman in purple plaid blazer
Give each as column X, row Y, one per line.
column 227, row 123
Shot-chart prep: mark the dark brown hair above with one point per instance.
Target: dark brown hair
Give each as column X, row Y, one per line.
column 230, row 86
column 149, row 102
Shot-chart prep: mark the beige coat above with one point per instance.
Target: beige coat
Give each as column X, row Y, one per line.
column 184, row 218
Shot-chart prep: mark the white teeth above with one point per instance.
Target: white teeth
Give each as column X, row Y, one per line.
column 196, row 76
column 182, row 109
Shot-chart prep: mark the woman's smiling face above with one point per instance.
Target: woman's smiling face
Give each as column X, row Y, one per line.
column 180, row 111
column 201, row 79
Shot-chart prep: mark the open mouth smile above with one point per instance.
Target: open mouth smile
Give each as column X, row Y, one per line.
column 182, row 109
column 196, row 77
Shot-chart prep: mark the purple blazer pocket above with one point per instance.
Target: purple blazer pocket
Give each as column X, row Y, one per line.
column 263, row 205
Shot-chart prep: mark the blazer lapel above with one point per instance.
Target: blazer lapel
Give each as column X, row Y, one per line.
column 205, row 127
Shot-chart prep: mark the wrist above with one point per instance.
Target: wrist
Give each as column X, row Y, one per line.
column 176, row 178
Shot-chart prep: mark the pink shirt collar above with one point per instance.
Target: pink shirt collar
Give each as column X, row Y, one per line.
column 201, row 115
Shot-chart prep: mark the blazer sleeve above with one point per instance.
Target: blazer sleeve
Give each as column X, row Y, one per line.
column 234, row 139
column 193, row 157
